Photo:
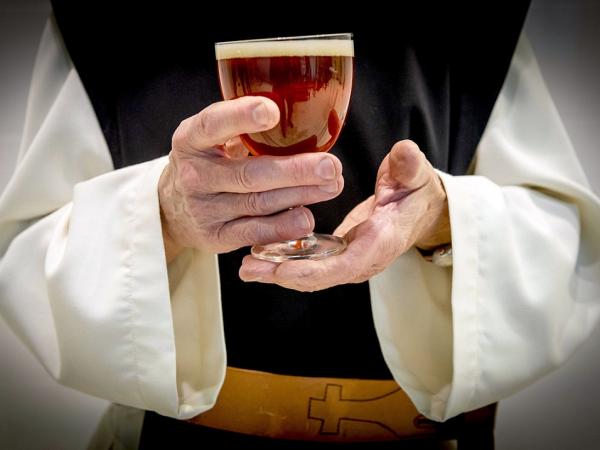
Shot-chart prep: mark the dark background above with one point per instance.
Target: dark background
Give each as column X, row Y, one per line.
column 561, row 411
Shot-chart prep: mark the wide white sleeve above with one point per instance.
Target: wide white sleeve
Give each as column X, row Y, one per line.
column 524, row 291
column 83, row 277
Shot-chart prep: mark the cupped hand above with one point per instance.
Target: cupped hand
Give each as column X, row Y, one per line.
column 215, row 197
column 409, row 208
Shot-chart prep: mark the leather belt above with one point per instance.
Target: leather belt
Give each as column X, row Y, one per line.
column 311, row 408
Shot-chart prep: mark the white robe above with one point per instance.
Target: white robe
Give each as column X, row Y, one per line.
column 84, row 283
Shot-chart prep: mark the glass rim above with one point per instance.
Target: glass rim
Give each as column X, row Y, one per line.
column 340, row 36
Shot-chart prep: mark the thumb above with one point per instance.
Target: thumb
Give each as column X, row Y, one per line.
column 409, row 166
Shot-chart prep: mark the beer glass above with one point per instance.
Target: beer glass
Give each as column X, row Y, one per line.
column 310, row 80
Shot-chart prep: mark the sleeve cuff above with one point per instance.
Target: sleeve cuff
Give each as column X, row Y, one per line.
column 466, row 229
column 191, row 321
column 110, row 288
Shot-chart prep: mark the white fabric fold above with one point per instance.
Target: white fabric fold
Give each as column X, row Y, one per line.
column 525, row 282
column 83, row 277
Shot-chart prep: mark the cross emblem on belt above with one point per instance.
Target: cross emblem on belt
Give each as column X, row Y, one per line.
column 333, row 408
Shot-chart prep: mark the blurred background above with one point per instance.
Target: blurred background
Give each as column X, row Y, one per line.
column 561, row 411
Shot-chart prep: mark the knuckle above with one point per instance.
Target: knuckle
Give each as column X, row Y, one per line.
column 284, row 225
column 224, row 235
column 219, row 237
column 256, row 204
column 281, row 229
column 298, row 169
column 291, row 169
column 235, row 235
column 207, row 124
column 245, row 176
column 250, row 234
column 289, row 225
column 306, row 195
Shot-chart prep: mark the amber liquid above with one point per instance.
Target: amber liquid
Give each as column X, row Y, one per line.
column 312, row 93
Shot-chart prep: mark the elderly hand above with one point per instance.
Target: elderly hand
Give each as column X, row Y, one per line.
column 214, row 197
column 409, row 208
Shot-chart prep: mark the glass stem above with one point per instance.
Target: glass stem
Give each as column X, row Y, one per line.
column 304, row 243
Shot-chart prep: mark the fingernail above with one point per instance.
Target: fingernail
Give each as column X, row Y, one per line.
column 326, row 169
column 301, row 221
column 329, row 188
column 260, row 114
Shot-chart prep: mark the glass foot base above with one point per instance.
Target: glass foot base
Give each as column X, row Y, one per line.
column 315, row 246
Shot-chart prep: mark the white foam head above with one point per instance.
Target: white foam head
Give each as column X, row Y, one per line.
column 301, row 46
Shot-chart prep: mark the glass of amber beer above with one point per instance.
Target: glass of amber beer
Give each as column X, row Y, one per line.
column 310, row 80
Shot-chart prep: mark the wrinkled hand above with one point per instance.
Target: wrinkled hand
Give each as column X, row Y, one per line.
column 214, row 197
column 409, row 208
